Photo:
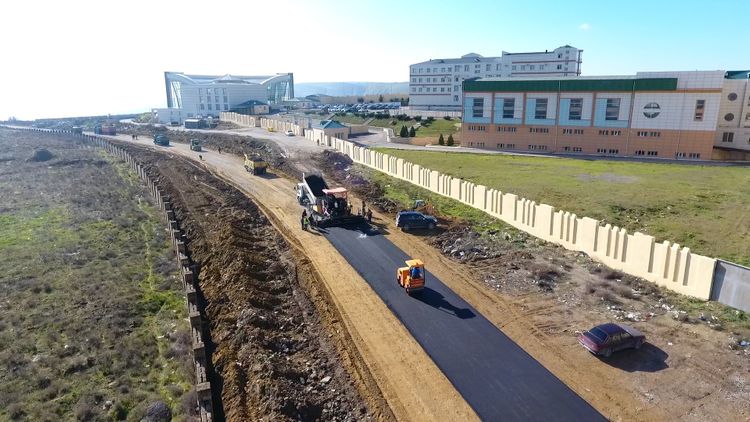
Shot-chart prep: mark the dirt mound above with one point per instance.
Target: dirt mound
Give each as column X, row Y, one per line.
column 40, row 155
column 269, row 346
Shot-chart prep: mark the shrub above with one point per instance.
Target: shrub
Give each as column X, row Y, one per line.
column 447, row 117
column 404, row 133
column 412, row 132
column 441, row 141
column 450, row 141
column 418, row 118
column 430, row 119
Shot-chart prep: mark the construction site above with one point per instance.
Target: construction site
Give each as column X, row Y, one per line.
column 310, row 314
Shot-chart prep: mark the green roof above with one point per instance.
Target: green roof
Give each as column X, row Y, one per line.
column 568, row 85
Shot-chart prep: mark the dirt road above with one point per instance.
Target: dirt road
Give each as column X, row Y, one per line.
column 414, row 388
column 692, row 375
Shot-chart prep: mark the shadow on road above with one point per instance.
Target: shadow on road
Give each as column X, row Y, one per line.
column 648, row 358
column 269, row 176
column 437, row 300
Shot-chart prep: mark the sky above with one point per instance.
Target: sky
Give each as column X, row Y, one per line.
column 75, row 57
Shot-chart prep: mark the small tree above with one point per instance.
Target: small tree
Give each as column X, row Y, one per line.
column 441, row 141
column 412, row 132
column 450, row 140
column 380, row 98
column 404, row 132
column 360, row 100
column 418, row 118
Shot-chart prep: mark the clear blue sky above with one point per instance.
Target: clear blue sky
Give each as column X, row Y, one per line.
column 91, row 57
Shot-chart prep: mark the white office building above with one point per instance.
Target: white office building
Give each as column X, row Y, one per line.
column 190, row 96
column 436, row 84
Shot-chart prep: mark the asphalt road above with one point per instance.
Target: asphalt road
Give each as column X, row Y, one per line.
column 498, row 379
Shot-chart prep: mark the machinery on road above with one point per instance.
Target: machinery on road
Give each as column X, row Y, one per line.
column 325, row 206
column 195, row 145
column 255, row 164
column 161, row 140
column 105, row 129
column 411, row 277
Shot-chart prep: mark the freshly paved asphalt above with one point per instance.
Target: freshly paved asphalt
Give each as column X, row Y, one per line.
column 498, row 379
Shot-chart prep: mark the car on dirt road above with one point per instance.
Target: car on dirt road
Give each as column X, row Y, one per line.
column 604, row 339
column 408, row 220
column 289, row 133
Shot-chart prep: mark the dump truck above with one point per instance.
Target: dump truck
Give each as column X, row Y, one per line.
column 195, row 145
column 161, row 140
column 255, row 164
column 412, row 276
column 325, row 206
column 105, row 129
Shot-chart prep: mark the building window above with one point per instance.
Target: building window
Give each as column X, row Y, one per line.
column 700, row 106
column 442, row 89
column 727, row 137
column 449, row 89
column 679, row 155
column 202, row 106
column 694, row 155
column 209, row 106
column 645, row 134
column 200, row 92
column 420, row 89
column 614, row 151
column 226, row 107
column 540, row 111
column 225, row 99
column 420, row 70
column 613, row 109
column 559, row 67
column 538, row 147
column 729, row 117
column 732, row 96
column 566, row 149
column 747, row 117
column 476, row 128
column 466, row 68
column 513, row 67
column 576, row 109
column 577, row 149
column 434, row 89
column 428, row 70
column 538, row 130
column 455, row 98
column 414, row 79
column 457, row 68
column 413, row 89
column 477, row 109
column 488, row 67
column 640, row 152
column 652, row 153
column 509, row 105
column 511, row 129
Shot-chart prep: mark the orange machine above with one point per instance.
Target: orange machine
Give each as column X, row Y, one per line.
column 412, row 276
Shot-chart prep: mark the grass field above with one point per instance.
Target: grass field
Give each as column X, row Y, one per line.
column 706, row 208
column 92, row 322
column 433, row 129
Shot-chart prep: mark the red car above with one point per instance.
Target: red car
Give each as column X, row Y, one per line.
column 607, row 338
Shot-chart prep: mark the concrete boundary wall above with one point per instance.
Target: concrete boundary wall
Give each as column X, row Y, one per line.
column 666, row 264
column 188, row 270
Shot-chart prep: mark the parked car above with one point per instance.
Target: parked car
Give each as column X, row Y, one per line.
column 408, row 220
column 289, row 133
column 607, row 338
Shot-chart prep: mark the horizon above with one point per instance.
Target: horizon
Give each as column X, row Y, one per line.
column 97, row 63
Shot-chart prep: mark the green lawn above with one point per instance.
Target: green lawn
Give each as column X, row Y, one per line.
column 706, row 208
column 434, row 129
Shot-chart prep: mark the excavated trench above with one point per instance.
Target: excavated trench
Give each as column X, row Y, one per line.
column 276, row 348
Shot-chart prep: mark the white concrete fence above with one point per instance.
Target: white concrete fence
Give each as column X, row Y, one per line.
column 666, row 264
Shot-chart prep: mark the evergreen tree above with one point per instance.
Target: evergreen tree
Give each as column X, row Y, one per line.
column 441, row 141
column 404, row 132
column 412, row 132
column 450, row 140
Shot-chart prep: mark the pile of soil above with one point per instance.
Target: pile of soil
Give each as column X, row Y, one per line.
column 270, row 348
column 40, row 155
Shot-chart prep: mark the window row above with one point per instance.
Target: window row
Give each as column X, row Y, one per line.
column 210, row 107
column 506, row 146
column 572, row 149
column 572, row 132
column 537, row 147
column 427, row 89
column 648, row 153
column 538, row 130
column 648, row 134
column 213, row 91
column 607, row 132
column 476, row 128
column 691, row 155
column 607, row 151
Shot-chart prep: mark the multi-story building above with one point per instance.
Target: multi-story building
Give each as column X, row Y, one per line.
column 205, row 95
column 437, row 84
column 684, row 115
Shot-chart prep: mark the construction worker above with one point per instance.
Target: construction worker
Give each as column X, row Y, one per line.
column 303, row 220
column 200, row 156
column 415, row 273
column 219, row 150
column 369, row 216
